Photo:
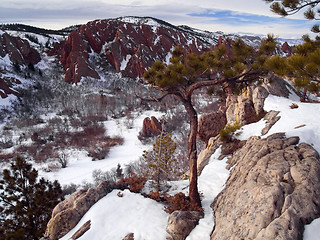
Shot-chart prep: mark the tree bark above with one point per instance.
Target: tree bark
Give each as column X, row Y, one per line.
column 192, row 152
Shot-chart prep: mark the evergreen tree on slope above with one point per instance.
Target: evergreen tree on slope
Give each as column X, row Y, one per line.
column 26, row 202
column 220, row 68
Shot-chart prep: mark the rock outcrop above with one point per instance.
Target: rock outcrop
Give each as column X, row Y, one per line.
column 151, row 127
column 7, row 85
column 82, row 230
column 210, row 124
column 129, row 45
column 287, row 49
column 130, row 236
column 68, row 213
column 272, row 192
column 18, row 50
column 181, row 223
column 271, row 118
column 247, row 107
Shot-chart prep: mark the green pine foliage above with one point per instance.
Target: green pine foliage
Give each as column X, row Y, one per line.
column 224, row 69
column 303, row 67
column 186, row 69
column 160, row 162
column 290, row 7
column 227, row 132
column 26, row 202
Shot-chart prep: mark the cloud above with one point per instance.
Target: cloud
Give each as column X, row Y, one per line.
column 219, row 15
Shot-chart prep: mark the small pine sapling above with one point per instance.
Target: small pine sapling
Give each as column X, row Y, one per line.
column 160, row 160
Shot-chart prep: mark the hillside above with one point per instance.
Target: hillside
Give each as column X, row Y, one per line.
column 72, row 103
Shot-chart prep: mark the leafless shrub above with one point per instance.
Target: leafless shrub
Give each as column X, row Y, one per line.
column 62, row 158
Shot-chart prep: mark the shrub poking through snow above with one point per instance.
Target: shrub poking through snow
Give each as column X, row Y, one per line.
column 173, row 203
column 294, row 105
column 180, row 202
column 228, row 131
column 134, row 183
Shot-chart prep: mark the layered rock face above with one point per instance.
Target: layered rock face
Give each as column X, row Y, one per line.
column 130, row 45
column 272, row 192
column 19, row 52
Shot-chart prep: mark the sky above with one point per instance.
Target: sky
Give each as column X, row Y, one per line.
column 229, row 16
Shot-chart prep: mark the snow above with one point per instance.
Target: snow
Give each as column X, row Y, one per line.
column 6, row 102
column 80, row 166
column 125, row 62
column 137, row 20
column 5, row 61
column 311, row 231
column 294, row 122
column 211, row 182
column 156, row 40
column 114, row 217
column 168, row 57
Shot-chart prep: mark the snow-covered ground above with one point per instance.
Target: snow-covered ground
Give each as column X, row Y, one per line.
column 301, row 121
column 80, row 166
column 114, row 217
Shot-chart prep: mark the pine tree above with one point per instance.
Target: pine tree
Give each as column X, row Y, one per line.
column 303, row 67
column 222, row 68
column 289, row 7
column 26, row 202
column 160, row 160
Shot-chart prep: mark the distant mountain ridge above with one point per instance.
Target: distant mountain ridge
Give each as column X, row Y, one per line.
column 128, row 45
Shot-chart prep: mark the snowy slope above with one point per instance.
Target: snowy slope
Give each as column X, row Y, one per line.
column 114, row 217
column 80, row 166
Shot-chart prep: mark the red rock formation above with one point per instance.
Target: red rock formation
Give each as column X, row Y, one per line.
column 56, row 49
column 19, row 50
column 6, row 87
column 286, row 49
column 151, row 127
column 227, row 43
column 129, row 47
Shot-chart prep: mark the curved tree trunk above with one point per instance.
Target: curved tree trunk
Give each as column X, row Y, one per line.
column 192, row 152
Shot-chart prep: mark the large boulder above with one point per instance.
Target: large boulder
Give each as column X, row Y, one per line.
column 181, row 223
column 272, row 192
column 69, row 212
column 210, row 124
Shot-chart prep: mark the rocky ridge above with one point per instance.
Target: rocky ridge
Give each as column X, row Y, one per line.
column 129, row 45
column 272, row 192
column 126, row 45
